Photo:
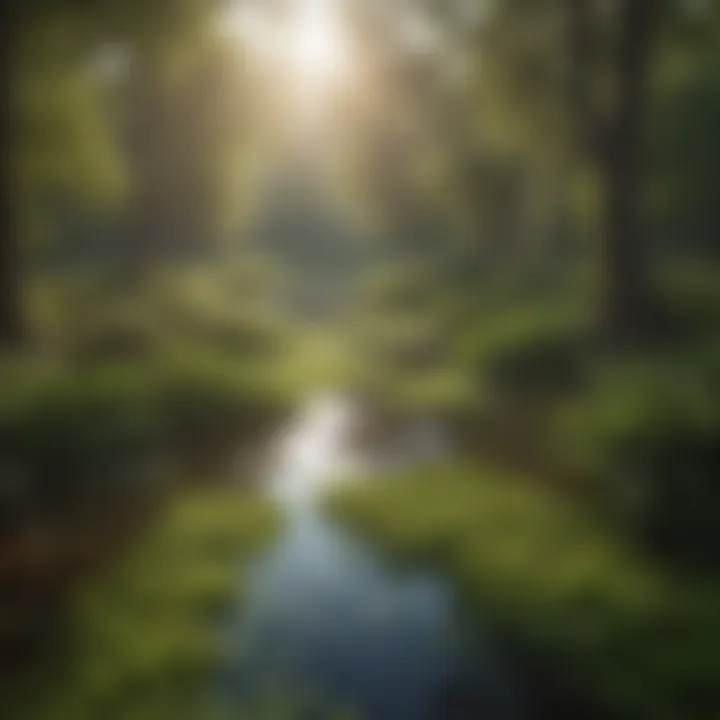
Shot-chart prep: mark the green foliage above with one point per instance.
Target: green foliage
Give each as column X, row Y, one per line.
column 68, row 158
column 113, row 336
column 692, row 299
column 205, row 400
column 213, row 307
column 650, row 431
column 68, row 436
column 529, row 348
column 636, row 431
column 131, row 380
column 556, row 580
column 139, row 642
column 683, row 151
column 545, row 363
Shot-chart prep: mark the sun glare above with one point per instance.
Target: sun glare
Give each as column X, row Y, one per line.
column 316, row 49
column 309, row 43
column 314, row 42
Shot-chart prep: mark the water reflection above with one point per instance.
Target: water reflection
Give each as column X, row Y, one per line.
column 315, row 449
column 325, row 623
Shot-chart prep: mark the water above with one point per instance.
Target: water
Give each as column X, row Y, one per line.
column 325, row 623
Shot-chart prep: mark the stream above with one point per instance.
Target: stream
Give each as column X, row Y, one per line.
column 325, row 627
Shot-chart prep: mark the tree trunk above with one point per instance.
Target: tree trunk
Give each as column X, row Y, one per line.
column 11, row 314
column 150, row 204
column 627, row 313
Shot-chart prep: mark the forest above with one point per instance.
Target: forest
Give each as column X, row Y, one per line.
column 359, row 359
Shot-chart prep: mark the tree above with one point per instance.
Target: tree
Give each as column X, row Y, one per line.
column 571, row 78
column 11, row 321
column 153, row 30
column 616, row 144
column 18, row 21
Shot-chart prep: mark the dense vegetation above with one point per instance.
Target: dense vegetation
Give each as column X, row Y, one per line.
column 555, row 581
column 137, row 643
column 502, row 213
column 141, row 356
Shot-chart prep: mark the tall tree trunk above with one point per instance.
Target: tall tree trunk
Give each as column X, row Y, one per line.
column 627, row 310
column 11, row 314
column 148, row 140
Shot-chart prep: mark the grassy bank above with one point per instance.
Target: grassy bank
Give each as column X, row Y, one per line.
column 138, row 641
column 641, row 641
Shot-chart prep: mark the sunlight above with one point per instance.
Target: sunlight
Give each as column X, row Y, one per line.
column 307, row 46
column 315, row 450
column 315, row 43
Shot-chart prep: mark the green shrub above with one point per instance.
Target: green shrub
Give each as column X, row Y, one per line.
column 205, row 401
column 538, row 349
column 114, row 337
column 70, row 434
column 557, row 581
column 546, row 362
column 74, row 434
column 650, row 432
column 138, row 640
